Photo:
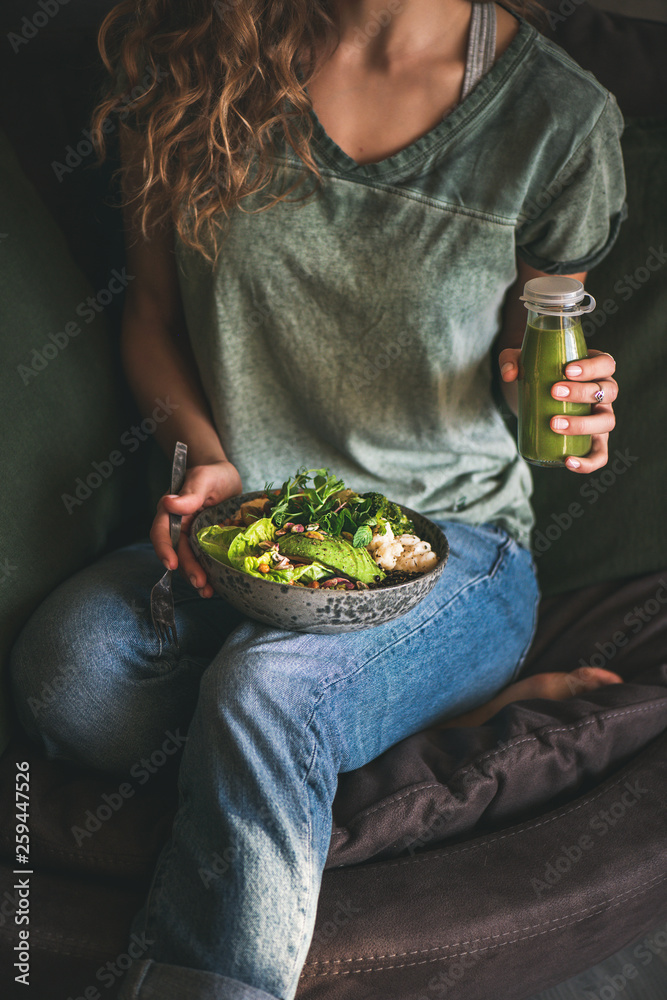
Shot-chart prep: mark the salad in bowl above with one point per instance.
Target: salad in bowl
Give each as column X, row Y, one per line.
column 320, row 535
column 317, row 556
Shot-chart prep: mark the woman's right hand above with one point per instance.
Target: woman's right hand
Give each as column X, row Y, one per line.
column 204, row 486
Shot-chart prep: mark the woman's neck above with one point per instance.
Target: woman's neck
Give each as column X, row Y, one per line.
column 392, row 32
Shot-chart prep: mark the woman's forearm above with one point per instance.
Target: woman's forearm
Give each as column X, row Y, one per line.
column 157, row 367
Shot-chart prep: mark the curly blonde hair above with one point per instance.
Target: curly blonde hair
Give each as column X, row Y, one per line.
column 211, row 84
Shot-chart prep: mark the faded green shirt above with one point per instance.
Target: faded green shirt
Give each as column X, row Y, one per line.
column 353, row 329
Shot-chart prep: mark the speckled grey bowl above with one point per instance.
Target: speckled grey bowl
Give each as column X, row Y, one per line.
column 301, row 609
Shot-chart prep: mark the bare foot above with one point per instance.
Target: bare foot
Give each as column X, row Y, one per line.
column 557, row 686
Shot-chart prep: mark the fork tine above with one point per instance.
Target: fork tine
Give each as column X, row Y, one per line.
column 162, row 595
column 173, row 635
column 157, row 627
column 166, row 632
column 162, row 612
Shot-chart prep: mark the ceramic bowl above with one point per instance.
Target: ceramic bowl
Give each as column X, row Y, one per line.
column 301, row 609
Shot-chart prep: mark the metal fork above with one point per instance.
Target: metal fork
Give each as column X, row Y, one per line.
column 162, row 597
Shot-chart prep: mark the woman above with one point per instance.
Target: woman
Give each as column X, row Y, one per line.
column 325, row 204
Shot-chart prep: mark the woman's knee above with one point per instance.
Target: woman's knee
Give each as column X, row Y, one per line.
column 87, row 682
column 270, row 683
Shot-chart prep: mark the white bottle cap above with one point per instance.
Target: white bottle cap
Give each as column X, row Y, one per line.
column 557, row 294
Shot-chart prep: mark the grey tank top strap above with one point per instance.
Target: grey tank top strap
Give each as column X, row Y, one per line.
column 481, row 45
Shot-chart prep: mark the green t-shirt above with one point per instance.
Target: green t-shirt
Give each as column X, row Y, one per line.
column 353, row 329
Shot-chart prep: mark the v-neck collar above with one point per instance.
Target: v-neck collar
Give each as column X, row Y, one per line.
column 329, row 153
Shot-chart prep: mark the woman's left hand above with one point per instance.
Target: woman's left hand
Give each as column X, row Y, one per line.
column 584, row 379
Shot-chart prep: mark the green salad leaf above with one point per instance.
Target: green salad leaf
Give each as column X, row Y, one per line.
column 216, row 540
column 329, row 504
column 336, row 553
column 238, row 548
column 314, row 519
column 362, row 536
column 245, row 542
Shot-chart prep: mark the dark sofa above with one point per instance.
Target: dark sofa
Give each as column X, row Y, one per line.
column 467, row 863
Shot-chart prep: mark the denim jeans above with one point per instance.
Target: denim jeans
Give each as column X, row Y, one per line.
column 271, row 718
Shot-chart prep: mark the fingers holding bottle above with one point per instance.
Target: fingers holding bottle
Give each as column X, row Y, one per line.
column 590, row 381
column 508, row 360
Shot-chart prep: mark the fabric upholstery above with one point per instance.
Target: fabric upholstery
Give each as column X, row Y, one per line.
column 624, row 51
column 411, row 829
column 62, row 408
column 443, row 892
column 611, row 524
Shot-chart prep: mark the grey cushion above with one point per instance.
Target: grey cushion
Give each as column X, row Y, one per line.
column 62, row 410
column 612, row 523
column 626, row 54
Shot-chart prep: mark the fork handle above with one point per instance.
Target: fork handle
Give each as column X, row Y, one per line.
column 177, row 480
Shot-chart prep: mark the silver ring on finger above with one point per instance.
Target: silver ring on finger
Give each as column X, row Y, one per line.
column 599, row 395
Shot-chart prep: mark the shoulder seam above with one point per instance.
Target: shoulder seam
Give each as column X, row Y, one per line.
column 560, row 55
column 567, row 166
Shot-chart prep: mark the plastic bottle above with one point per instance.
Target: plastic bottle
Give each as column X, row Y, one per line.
column 553, row 339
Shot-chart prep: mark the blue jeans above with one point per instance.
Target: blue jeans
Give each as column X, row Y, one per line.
column 271, row 717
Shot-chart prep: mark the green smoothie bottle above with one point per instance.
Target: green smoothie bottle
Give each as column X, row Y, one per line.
column 553, row 339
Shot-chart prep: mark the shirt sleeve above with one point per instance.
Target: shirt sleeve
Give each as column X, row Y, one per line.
column 572, row 223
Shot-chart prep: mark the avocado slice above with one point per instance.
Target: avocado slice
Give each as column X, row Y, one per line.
column 334, row 553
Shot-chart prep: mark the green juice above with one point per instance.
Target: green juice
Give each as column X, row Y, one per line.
column 549, row 344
